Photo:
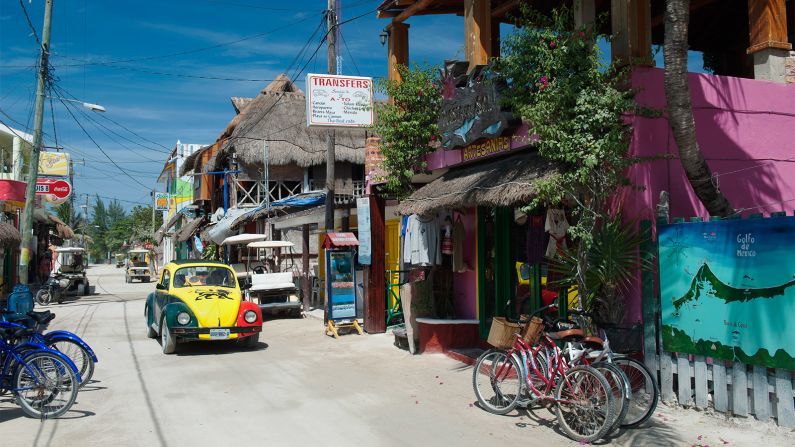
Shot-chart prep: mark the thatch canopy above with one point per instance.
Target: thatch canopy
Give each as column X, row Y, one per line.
column 506, row 181
column 189, row 164
column 240, row 103
column 61, row 228
column 188, row 229
column 9, row 236
column 278, row 116
column 171, row 222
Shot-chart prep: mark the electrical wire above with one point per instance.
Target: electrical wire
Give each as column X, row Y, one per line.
column 100, row 147
column 182, row 53
column 30, row 24
column 345, row 44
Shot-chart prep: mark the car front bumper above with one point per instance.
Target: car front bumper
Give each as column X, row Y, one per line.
column 203, row 333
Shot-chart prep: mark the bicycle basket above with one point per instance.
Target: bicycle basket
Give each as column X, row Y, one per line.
column 502, row 333
column 532, row 330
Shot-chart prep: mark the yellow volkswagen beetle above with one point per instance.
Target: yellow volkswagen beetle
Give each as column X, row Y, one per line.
column 200, row 300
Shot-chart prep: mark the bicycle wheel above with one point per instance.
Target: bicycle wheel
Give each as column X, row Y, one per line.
column 81, row 358
column 44, row 385
column 619, row 386
column 584, row 404
column 43, row 297
column 497, row 381
column 645, row 393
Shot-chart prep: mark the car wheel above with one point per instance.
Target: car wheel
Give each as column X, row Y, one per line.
column 251, row 341
column 86, row 288
column 167, row 341
column 150, row 333
column 296, row 313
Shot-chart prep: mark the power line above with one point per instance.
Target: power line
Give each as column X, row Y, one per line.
column 99, row 147
column 30, row 24
column 182, row 53
column 345, row 44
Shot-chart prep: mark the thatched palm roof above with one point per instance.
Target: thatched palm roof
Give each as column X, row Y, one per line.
column 61, row 228
column 188, row 229
column 9, row 236
column 278, row 116
column 506, row 181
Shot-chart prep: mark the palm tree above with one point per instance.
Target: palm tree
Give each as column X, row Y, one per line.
column 65, row 213
column 680, row 110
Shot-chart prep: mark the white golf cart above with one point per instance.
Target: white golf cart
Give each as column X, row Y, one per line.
column 242, row 269
column 68, row 274
column 140, row 265
column 274, row 290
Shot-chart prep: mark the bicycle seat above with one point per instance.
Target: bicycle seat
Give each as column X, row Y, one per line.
column 567, row 335
column 593, row 341
column 43, row 317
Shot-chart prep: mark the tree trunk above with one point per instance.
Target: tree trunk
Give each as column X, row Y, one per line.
column 680, row 109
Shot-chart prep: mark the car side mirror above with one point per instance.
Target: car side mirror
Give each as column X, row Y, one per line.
column 160, row 286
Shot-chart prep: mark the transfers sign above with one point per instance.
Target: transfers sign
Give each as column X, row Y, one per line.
column 339, row 101
column 727, row 290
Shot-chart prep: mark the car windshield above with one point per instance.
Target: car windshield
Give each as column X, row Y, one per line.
column 203, row 276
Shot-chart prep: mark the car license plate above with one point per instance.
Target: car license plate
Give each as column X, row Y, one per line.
column 219, row 334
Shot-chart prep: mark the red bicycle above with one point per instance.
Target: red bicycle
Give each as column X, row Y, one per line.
column 532, row 369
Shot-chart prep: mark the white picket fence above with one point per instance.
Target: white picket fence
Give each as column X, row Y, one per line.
column 739, row 389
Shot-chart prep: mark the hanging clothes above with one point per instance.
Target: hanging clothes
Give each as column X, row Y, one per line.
column 556, row 225
column 447, row 237
column 459, row 234
column 421, row 243
column 535, row 239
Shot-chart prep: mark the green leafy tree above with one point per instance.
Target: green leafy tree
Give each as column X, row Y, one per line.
column 407, row 125
column 141, row 229
column 99, row 225
column 65, row 212
column 575, row 105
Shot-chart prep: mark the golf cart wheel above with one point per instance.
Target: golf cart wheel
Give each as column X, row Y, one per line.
column 86, row 288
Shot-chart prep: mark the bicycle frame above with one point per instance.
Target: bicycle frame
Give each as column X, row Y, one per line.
column 17, row 353
column 53, row 336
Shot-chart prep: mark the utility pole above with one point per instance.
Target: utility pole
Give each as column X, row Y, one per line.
column 331, row 23
column 26, row 227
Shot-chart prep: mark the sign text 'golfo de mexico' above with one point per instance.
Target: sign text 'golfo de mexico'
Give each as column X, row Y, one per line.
column 339, row 101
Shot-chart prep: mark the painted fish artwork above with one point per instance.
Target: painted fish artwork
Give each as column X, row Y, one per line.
column 727, row 290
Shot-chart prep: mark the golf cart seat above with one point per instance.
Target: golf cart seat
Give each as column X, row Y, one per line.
column 271, row 281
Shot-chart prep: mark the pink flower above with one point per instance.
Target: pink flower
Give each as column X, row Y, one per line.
column 553, row 45
column 581, row 34
column 544, row 82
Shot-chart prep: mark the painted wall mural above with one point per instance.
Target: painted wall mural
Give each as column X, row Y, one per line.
column 727, row 290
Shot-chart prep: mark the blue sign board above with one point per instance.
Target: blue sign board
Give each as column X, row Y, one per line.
column 340, row 285
column 727, row 290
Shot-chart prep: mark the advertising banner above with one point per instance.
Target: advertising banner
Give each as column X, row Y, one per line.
column 727, row 290
column 54, row 164
column 54, row 191
column 161, row 201
column 341, row 283
column 339, row 101
column 365, row 237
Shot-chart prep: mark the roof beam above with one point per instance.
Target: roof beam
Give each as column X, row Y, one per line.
column 417, row 7
column 504, row 8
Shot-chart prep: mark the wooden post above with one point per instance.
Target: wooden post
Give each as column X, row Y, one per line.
column 477, row 32
column 768, row 38
column 631, row 20
column 649, row 304
column 398, row 49
column 305, row 280
column 375, row 302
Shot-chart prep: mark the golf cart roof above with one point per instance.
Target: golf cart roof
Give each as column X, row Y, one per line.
column 138, row 250
column 244, row 238
column 70, row 250
column 271, row 244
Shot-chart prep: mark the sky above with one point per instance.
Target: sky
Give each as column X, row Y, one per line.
column 155, row 89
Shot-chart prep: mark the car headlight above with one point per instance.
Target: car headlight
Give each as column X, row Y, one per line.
column 250, row 316
column 183, row 318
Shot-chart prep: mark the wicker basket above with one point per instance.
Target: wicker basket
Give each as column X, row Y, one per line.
column 503, row 333
column 533, row 330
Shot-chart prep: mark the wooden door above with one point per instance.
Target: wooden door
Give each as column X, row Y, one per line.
column 392, row 254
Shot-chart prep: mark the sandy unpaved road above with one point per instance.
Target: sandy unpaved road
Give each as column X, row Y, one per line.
column 298, row 388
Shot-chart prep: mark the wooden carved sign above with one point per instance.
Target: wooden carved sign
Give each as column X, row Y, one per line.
column 471, row 107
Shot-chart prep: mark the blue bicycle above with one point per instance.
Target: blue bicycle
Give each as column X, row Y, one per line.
column 65, row 342
column 44, row 382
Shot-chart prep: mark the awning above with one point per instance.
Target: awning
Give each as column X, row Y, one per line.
column 223, row 228
column 505, row 182
column 188, row 229
column 173, row 221
column 61, row 228
column 296, row 201
column 338, row 240
column 9, row 236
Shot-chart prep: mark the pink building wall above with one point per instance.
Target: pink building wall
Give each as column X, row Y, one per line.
column 465, row 290
column 745, row 129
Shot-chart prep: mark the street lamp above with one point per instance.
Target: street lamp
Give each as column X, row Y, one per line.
column 88, row 105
